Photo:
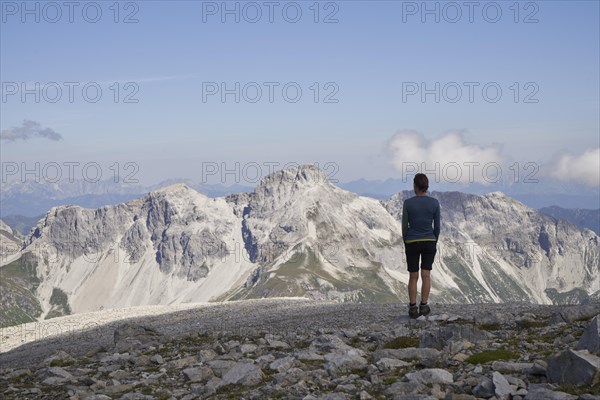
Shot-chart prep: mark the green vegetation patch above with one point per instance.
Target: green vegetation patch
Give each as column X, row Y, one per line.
column 503, row 284
column 62, row 363
column 60, row 304
column 532, row 324
column 573, row 297
column 490, row 327
column 581, row 390
column 306, row 271
column 402, row 342
column 18, row 285
column 492, row 355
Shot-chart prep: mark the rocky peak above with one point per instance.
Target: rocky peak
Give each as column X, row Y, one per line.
column 177, row 201
column 4, row 227
column 302, row 176
column 10, row 240
column 283, row 188
column 174, row 189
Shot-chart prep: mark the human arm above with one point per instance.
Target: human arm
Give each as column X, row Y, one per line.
column 436, row 222
column 404, row 222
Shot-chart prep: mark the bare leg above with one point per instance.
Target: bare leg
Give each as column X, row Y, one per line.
column 412, row 287
column 425, row 285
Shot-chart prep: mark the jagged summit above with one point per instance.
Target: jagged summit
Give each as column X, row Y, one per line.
column 178, row 192
column 293, row 191
column 10, row 240
column 5, row 227
column 497, row 193
column 300, row 176
column 174, row 189
column 176, row 202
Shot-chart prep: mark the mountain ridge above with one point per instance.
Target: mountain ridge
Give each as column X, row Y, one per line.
column 582, row 218
column 299, row 234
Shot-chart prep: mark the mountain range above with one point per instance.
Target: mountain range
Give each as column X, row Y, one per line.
column 32, row 198
column 20, row 200
column 583, row 218
column 296, row 234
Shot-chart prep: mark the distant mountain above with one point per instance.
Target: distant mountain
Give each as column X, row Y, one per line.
column 20, row 223
column 582, row 218
column 535, row 194
column 310, row 238
column 295, row 235
column 541, row 200
column 18, row 283
column 9, row 238
column 497, row 249
column 33, row 198
column 375, row 188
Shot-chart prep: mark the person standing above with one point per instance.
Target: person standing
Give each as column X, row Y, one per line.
column 420, row 232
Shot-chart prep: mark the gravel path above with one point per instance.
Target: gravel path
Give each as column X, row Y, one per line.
column 77, row 334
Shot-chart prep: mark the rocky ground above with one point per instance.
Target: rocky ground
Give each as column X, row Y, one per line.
column 268, row 349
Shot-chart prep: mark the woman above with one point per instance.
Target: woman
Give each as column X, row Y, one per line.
column 420, row 242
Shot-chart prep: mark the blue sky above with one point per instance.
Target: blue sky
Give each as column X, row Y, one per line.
column 368, row 58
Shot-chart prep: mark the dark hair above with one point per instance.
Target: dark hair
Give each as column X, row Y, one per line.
column 421, row 182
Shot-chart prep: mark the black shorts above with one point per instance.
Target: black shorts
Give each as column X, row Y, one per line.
column 424, row 250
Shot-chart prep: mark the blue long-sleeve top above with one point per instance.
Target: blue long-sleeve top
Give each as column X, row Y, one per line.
column 418, row 215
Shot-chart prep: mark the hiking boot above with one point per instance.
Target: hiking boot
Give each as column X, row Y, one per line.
column 424, row 309
column 413, row 311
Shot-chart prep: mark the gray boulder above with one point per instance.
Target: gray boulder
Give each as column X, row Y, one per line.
column 220, row 367
column 408, row 354
column 574, row 313
column 345, row 360
column 403, row 389
column 282, row 364
column 538, row 368
column 197, row 374
column 502, row 388
column 590, row 340
column 484, row 389
column 574, row 368
column 444, row 336
column 242, row 373
column 511, row 366
column 129, row 337
column 430, row 376
column 327, row 343
column 540, row 393
column 386, row 364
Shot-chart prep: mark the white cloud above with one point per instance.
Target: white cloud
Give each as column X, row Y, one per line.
column 582, row 168
column 449, row 157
